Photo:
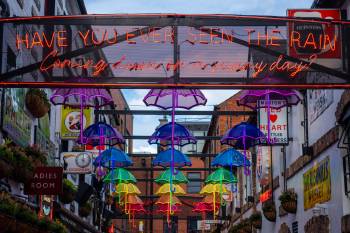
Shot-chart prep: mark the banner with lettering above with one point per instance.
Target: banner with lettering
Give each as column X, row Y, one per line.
column 317, row 184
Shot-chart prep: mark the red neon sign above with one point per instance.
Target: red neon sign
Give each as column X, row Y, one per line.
column 266, row 196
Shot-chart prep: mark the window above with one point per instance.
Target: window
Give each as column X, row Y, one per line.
column 174, row 225
column 194, row 185
column 38, row 4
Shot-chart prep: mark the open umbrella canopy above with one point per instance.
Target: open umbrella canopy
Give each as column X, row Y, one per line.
column 166, row 188
column 164, row 159
column 229, row 157
column 163, row 135
column 250, row 98
column 166, row 199
column 214, row 188
column 178, row 177
column 221, row 175
column 165, row 208
column 133, row 208
column 243, row 136
column 209, row 198
column 101, row 133
column 202, row 207
column 113, row 158
column 127, row 188
column 131, row 199
column 88, row 97
column 119, row 175
column 175, row 98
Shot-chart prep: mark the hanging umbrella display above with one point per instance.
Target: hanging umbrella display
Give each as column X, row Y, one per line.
column 221, row 175
column 119, row 175
column 125, row 189
column 228, row 158
column 168, row 204
column 132, row 205
column 178, row 177
column 256, row 99
column 173, row 132
column 243, row 136
column 166, row 188
column 163, row 159
column 216, row 191
column 113, row 158
column 81, row 97
column 99, row 134
column 164, row 135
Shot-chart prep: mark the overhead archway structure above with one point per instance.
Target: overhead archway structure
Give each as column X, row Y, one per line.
column 171, row 50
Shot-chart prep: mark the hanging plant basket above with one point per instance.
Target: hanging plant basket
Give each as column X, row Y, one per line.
column 85, row 209
column 289, row 201
column 256, row 220
column 68, row 192
column 37, row 102
column 269, row 210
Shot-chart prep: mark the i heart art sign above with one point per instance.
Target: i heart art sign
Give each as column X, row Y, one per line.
column 276, row 119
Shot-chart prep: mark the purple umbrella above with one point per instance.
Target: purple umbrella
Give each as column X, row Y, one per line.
column 83, row 97
column 254, row 99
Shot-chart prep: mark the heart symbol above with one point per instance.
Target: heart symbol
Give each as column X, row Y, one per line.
column 273, row 118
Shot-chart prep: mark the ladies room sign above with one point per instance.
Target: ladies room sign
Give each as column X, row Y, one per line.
column 278, row 121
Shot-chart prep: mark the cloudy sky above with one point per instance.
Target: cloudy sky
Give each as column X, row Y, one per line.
column 145, row 125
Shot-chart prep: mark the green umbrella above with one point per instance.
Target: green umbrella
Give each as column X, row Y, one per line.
column 178, row 177
column 222, row 176
column 119, row 175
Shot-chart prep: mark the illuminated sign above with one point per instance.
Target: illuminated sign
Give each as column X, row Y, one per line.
column 265, row 196
column 314, row 38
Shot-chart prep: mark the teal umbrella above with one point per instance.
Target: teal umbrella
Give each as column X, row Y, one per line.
column 119, row 175
column 221, row 176
column 178, row 177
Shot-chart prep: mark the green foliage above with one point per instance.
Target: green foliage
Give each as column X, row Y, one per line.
column 36, row 154
column 69, row 186
column 255, row 217
column 269, row 206
column 288, row 196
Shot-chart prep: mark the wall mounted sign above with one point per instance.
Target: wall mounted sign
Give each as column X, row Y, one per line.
column 70, row 121
column 78, row 162
column 278, row 121
column 45, row 206
column 317, row 184
column 314, row 38
column 16, row 122
column 45, row 181
column 318, row 101
column 265, row 196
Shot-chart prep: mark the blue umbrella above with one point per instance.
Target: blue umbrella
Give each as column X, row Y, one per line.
column 229, row 157
column 101, row 133
column 164, row 159
column 243, row 136
column 113, row 158
column 163, row 135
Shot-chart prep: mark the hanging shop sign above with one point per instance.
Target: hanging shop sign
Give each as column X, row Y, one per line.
column 70, row 121
column 265, row 196
column 318, row 101
column 45, row 181
column 16, row 122
column 45, row 206
column 317, row 184
column 78, row 162
column 277, row 121
column 307, row 38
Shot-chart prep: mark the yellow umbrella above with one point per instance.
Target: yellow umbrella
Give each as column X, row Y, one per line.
column 165, row 189
column 128, row 188
column 214, row 188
